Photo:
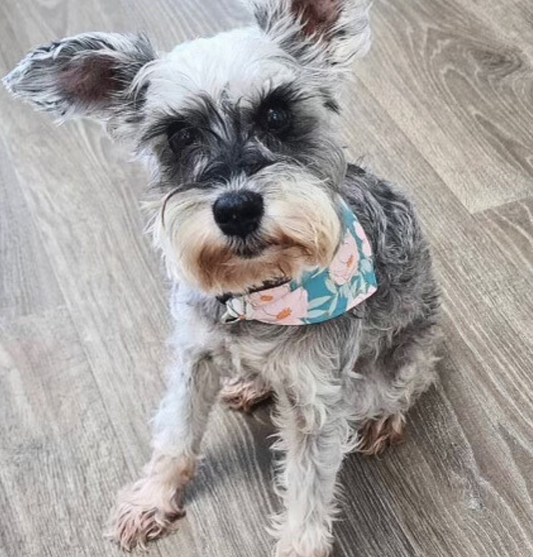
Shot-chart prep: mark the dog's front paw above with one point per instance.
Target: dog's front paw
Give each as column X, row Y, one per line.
column 145, row 511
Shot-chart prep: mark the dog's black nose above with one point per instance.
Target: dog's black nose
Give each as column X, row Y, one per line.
column 238, row 213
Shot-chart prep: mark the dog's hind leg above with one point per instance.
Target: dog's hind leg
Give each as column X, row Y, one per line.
column 244, row 394
column 393, row 382
column 376, row 435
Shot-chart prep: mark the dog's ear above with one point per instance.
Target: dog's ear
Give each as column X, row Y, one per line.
column 86, row 75
column 317, row 32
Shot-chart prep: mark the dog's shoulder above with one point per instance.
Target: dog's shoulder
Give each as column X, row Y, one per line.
column 385, row 210
column 402, row 257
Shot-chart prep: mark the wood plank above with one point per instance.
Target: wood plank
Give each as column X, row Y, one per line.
column 58, row 467
column 22, row 290
column 168, row 23
column 513, row 25
column 511, row 228
column 93, row 234
column 459, row 92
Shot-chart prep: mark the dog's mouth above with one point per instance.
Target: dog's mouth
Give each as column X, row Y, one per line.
column 255, row 246
column 249, row 247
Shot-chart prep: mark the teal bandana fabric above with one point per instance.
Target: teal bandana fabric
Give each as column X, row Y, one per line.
column 319, row 295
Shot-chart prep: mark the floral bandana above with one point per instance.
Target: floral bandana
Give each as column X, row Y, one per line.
column 319, row 295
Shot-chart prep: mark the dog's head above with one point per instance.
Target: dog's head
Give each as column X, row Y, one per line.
column 240, row 130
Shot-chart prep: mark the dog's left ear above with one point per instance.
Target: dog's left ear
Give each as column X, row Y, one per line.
column 317, row 32
column 87, row 75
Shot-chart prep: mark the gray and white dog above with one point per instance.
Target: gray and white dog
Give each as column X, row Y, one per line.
column 241, row 131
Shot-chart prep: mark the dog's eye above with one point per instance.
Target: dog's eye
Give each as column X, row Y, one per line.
column 181, row 136
column 276, row 119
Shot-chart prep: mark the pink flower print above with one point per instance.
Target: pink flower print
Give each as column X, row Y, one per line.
column 269, row 295
column 367, row 249
column 286, row 310
column 346, row 260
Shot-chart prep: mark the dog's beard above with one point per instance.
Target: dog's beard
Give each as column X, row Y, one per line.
column 300, row 230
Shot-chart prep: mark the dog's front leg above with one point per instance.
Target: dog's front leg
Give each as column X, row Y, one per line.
column 148, row 508
column 313, row 437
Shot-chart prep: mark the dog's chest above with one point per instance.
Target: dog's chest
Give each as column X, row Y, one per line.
column 246, row 349
column 251, row 348
column 252, row 356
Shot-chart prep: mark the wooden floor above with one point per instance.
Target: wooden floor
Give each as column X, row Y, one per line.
column 443, row 105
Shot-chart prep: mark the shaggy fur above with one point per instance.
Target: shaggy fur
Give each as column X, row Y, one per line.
column 258, row 110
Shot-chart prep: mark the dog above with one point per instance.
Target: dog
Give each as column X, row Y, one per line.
column 294, row 272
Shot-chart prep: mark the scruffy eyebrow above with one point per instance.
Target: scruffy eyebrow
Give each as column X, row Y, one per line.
column 289, row 93
column 199, row 113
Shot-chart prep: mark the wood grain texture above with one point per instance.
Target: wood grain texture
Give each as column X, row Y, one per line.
column 514, row 24
column 511, row 228
column 443, row 106
column 22, row 290
column 57, row 462
column 460, row 91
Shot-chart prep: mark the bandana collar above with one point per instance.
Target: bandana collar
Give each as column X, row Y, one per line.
column 319, row 295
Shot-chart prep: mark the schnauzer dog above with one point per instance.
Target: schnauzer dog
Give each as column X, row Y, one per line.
column 294, row 272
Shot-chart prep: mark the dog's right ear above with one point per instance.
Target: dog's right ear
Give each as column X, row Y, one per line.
column 318, row 33
column 86, row 75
